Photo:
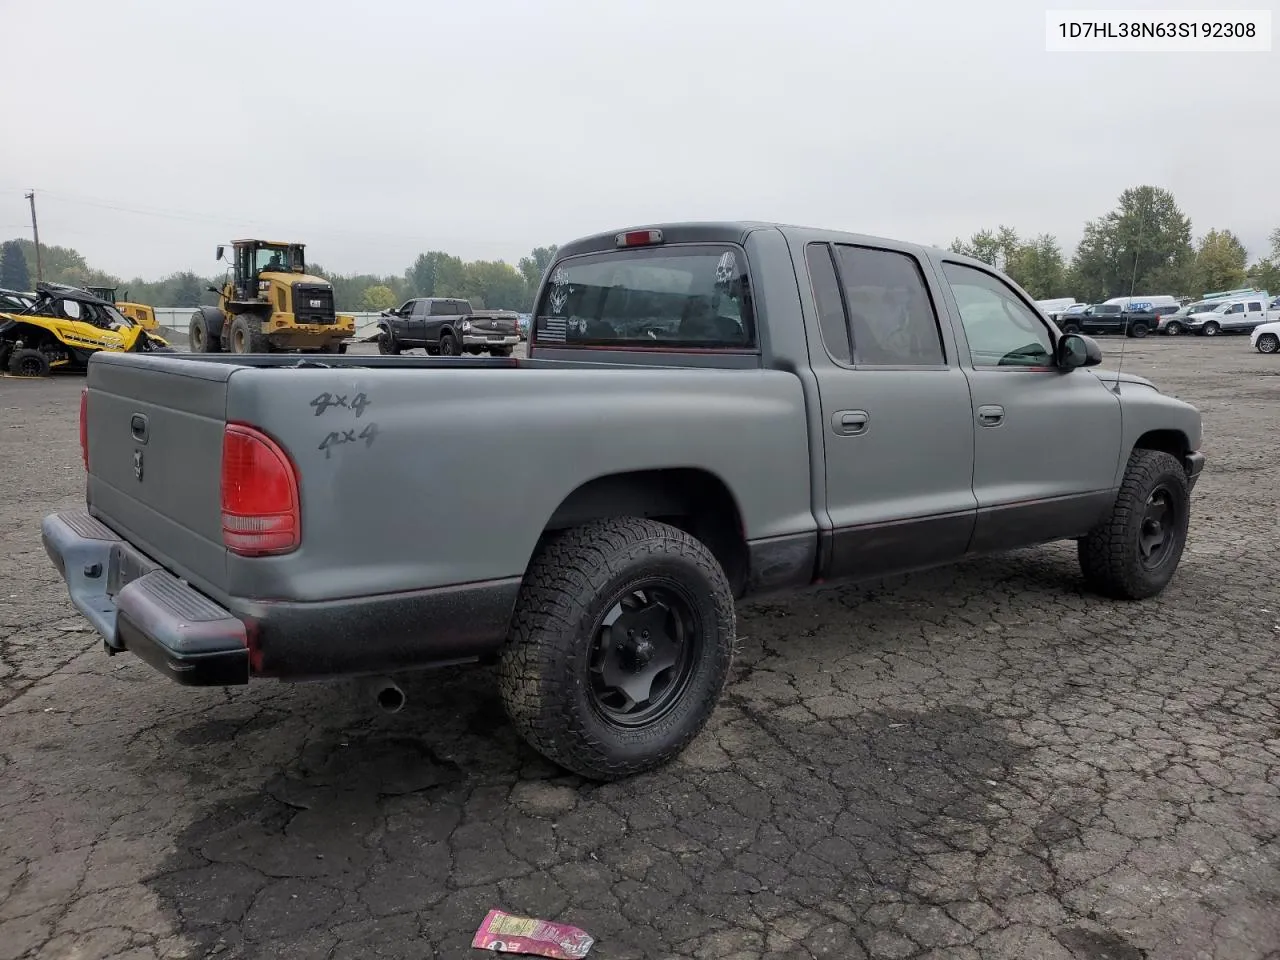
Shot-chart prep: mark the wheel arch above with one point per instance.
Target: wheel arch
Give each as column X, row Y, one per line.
column 1170, row 441
column 693, row 499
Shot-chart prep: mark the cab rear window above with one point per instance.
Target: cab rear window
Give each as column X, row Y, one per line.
column 687, row 297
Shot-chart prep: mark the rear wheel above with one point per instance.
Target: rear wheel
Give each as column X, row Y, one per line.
column 500, row 352
column 1133, row 554
column 246, row 336
column 448, row 345
column 621, row 644
column 1268, row 343
column 28, row 363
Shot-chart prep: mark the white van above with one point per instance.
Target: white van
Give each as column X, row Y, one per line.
column 1055, row 306
column 1232, row 316
column 1145, row 302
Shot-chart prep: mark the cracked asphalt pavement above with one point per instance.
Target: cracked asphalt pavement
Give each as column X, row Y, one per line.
column 977, row 762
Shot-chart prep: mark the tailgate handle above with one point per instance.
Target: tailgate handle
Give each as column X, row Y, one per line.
column 138, row 427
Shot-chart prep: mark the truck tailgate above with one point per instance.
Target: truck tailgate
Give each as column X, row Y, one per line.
column 155, row 460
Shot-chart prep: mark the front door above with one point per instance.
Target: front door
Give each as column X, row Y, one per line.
column 895, row 413
column 1047, row 441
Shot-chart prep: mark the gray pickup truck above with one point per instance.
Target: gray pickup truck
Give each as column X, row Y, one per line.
column 708, row 412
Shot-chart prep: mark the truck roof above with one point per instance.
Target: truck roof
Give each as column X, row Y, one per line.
column 736, row 231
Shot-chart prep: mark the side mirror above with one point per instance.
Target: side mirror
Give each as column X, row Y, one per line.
column 1075, row 350
column 212, row 289
column 221, row 250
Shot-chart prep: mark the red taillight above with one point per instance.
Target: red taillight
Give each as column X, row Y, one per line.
column 260, row 513
column 638, row 238
column 84, row 426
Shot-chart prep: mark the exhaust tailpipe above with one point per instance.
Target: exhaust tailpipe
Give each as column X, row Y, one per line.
column 387, row 694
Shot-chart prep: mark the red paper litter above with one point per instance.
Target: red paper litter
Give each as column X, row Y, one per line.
column 503, row 933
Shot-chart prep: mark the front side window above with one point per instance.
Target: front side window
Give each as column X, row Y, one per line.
column 687, row 297
column 1002, row 330
column 890, row 313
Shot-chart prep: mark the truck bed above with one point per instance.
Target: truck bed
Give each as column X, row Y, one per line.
column 418, row 473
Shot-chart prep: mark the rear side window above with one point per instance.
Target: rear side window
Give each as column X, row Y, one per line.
column 890, row 312
column 826, row 296
column 686, row 297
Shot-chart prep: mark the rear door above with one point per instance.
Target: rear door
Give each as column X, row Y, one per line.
column 1047, row 442
column 897, row 433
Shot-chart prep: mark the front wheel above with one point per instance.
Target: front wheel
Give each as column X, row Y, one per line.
column 387, row 345
column 1174, row 329
column 1211, row 329
column 29, row 363
column 1071, row 328
column 621, row 643
column 1132, row 555
column 1268, row 343
column 1138, row 330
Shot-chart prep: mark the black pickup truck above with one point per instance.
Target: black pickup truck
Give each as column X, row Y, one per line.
column 1110, row 318
column 447, row 327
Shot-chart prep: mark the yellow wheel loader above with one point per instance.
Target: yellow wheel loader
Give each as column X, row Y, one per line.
column 269, row 303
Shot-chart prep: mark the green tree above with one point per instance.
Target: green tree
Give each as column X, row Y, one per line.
column 1265, row 273
column 1038, row 267
column 535, row 265
column 1220, row 262
column 996, row 248
column 185, row 291
column 377, row 297
column 433, row 273
column 1143, row 244
column 14, row 274
column 495, row 285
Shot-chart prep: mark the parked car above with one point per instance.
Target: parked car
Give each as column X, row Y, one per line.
column 1231, row 316
column 1110, row 318
column 708, row 412
column 1265, row 337
column 446, row 326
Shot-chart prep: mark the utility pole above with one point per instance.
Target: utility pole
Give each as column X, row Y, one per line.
column 35, row 229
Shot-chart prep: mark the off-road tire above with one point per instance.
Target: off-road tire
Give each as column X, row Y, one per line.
column 543, row 667
column 1268, row 343
column 449, row 345
column 200, row 336
column 28, row 362
column 387, row 345
column 1109, row 555
column 246, row 332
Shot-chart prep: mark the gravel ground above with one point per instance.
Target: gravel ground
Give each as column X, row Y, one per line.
column 976, row 762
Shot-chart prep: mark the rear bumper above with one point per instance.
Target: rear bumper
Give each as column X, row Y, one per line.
column 480, row 340
column 155, row 615
column 137, row 605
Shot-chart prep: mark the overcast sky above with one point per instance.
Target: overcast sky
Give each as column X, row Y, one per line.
column 373, row 130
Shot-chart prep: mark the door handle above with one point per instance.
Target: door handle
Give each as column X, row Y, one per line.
column 991, row 415
column 850, row 423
